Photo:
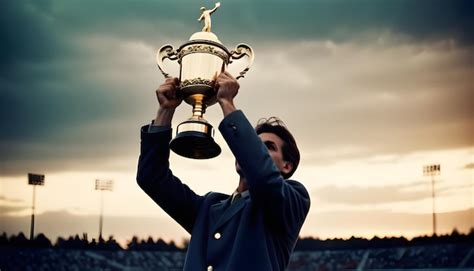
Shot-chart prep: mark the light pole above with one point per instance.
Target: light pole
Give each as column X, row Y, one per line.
column 472, row 204
column 34, row 180
column 102, row 185
column 432, row 170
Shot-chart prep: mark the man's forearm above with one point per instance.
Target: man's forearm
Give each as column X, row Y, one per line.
column 164, row 117
column 227, row 107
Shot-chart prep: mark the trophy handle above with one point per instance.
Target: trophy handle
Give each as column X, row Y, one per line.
column 166, row 51
column 241, row 50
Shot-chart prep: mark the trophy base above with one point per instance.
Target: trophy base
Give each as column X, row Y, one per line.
column 194, row 139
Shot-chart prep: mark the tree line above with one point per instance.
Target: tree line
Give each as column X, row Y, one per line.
column 76, row 242
column 303, row 244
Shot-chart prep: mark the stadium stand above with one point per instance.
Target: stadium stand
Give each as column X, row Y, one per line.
column 454, row 252
column 450, row 257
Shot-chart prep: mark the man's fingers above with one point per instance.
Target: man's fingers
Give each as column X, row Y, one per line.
column 170, row 84
column 225, row 75
column 171, row 94
column 221, row 76
column 228, row 75
column 173, row 80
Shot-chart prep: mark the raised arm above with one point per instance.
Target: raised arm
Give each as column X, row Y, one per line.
column 285, row 202
column 218, row 4
column 227, row 88
column 154, row 175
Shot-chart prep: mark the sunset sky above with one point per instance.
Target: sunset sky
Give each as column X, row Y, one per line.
column 372, row 91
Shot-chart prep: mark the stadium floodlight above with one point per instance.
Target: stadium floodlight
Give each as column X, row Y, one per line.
column 34, row 180
column 102, row 185
column 432, row 170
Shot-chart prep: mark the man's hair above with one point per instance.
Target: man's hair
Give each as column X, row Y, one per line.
column 289, row 149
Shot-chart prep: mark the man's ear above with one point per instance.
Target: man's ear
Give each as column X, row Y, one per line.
column 287, row 167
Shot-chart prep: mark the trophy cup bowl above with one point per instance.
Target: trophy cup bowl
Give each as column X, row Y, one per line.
column 201, row 60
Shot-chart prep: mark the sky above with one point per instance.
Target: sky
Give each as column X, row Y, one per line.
column 372, row 91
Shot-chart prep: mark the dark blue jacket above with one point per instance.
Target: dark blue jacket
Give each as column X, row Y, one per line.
column 258, row 232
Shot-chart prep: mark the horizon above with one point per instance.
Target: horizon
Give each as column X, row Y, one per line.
column 184, row 243
column 46, row 223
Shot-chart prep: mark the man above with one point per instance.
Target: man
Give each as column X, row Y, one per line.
column 255, row 228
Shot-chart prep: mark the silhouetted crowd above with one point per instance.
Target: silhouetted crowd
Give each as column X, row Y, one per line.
column 451, row 256
column 78, row 253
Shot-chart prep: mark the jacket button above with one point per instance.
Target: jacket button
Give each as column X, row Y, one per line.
column 209, row 268
column 217, row 236
column 233, row 126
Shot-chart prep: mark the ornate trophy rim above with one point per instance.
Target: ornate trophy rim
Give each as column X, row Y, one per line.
column 183, row 51
column 200, row 41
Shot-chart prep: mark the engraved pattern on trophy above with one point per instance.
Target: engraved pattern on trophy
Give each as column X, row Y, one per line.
column 201, row 60
column 196, row 81
column 203, row 49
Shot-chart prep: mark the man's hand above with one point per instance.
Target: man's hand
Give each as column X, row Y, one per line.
column 168, row 98
column 167, row 94
column 227, row 88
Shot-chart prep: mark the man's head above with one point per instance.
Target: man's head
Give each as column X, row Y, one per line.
column 280, row 143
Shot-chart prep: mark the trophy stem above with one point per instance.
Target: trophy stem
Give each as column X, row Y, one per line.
column 199, row 108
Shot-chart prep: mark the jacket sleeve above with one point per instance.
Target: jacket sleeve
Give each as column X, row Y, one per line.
column 285, row 203
column 156, row 179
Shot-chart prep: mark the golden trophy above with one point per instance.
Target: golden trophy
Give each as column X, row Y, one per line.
column 201, row 60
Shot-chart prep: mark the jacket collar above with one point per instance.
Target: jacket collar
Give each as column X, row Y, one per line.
column 223, row 211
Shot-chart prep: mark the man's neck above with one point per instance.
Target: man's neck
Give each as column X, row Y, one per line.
column 242, row 185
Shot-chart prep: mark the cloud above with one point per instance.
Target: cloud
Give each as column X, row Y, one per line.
column 354, row 99
column 10, row 200
column 469, row 166
column 354, row 195
column 11, row 205
column 383, row 96
column 301, row 19
column 77, row 79
column 11, row 209
column 370, row 195
column 29, row 35
column 383, row 223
